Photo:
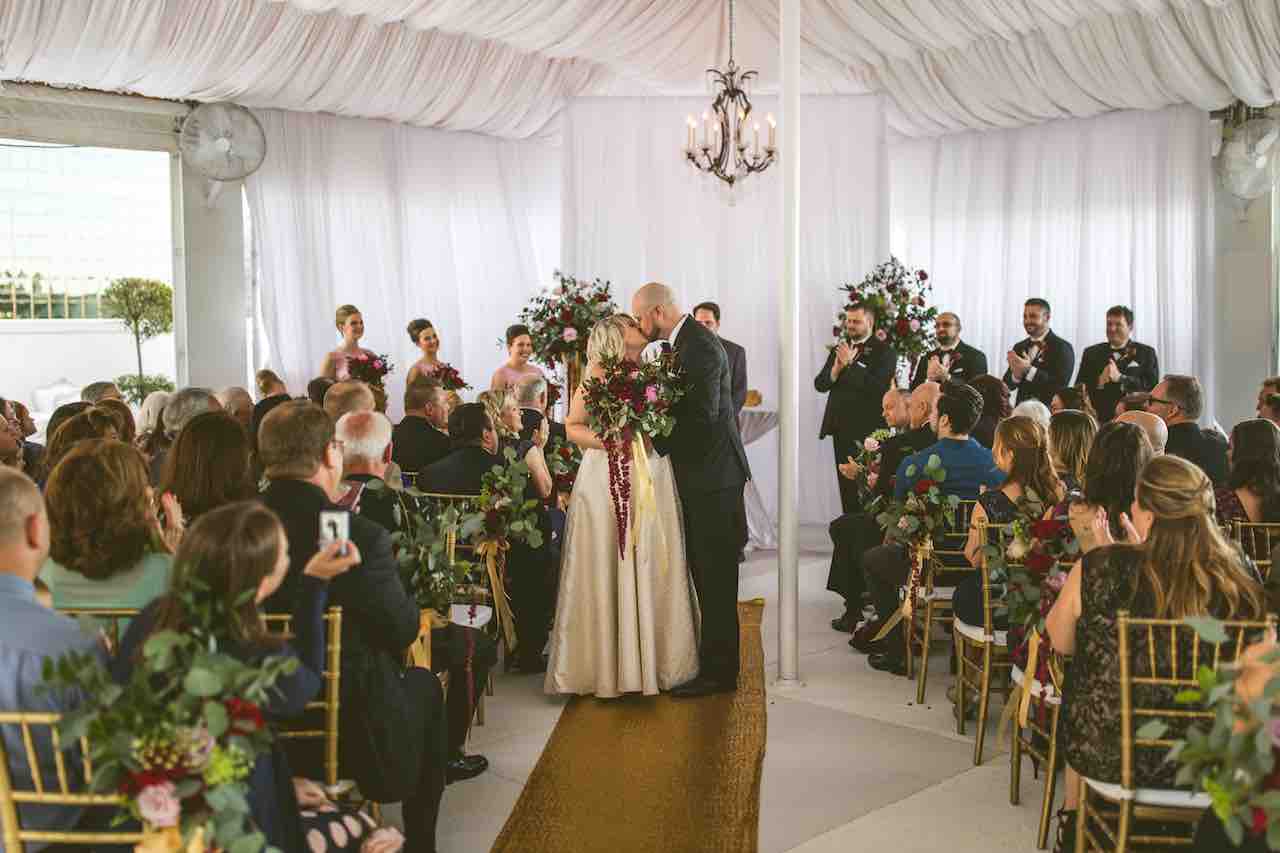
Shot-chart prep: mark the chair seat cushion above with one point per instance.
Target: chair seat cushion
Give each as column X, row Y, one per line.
column 976, row 634
column 1170, row 798
column 1037, row 689
column 939, row 593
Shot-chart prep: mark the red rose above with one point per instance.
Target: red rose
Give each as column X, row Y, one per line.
column 578, row 300
column 566, row 315
column 835, row 331
column 245, row 716
column 1039, row 562
column 1259, row 821
column 922, row 275
column 902, row 326
column 1047, row 529
column 923, row 486
column 493, row 521
column 133, row 784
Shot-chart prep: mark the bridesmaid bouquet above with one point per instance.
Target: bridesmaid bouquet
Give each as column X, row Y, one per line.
column 369, row 368
column 449, row 377
column 631, row 401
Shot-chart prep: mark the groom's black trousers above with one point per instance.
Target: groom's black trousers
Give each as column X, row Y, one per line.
column 715, row 529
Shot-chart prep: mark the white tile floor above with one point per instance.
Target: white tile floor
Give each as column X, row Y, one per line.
column 851, row 762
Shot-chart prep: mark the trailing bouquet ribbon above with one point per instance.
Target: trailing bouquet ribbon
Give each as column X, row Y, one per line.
column 920, row 555
column 646, row 498
column 169, row 840
column 494, row 553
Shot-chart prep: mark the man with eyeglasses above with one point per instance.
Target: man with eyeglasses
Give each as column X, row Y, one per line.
column 953, row 359
column 1178, row 401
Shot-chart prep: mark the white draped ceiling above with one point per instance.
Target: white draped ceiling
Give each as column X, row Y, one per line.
column 507, row 67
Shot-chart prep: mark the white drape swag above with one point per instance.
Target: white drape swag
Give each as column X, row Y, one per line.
column 634, row 212
column 1086, row 213
column 402, row 222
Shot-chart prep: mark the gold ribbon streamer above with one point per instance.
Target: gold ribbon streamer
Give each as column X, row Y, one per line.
column 919, row 556
column 646, row 499
column 1029, row 677
column 169, row 840
column 492, row 550
column 420, row 651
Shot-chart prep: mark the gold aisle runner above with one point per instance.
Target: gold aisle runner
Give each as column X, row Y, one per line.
column 651, row 774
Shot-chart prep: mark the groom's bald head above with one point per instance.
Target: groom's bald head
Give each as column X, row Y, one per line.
column 657, row 309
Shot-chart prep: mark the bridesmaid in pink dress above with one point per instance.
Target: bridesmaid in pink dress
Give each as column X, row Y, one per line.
column 517, row 366
column 351, row 326
column 424, row 337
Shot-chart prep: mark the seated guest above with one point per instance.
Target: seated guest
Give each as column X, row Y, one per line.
column 1035, row 410
column 969, row 467
column 317, row 389
column 1071, row 433
column 1116, row 458
column 181, row 408
column 240, row 554
column 1022, row 453
column 953, row 358
column 465, row 653
column 507, row 420
column 31, row 451
column 505, row 416
column 854, row 532
column 1252, row 491
column 109, row 547
column 210, row 465
column 474, row 442
column 1117, row 366
column 126, row 426
column 1172, row 563
column 11, row 452
column 1072, row 398
column 235, row 401
column 351, row 395
column 151, row 438
column 1157, row 433
column 1269, row 408
column 1134, row 402
column 531, row 396
column 271, row 393
column 420, row 438
column 995, row 407
column 32, row 635
column 95, row 392
column 1270, row 385
column 1178, row 401
column 93, row 422
column 392, row 727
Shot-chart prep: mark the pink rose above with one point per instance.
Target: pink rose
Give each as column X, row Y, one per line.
column 378, row 364
column 872, row 479
column 870, row 445
column 570, row 334
column 651, row 393
column 158, row 805
column 881, row 334
column 915, row 325
column 903, row 524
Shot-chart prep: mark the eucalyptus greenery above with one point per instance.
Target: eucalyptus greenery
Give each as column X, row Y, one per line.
column 924, row 510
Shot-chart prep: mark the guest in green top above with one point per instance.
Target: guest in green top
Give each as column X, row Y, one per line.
column 108, row 547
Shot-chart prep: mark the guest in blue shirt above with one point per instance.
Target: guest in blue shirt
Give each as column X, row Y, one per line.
column 969, row 468
column 30, row 634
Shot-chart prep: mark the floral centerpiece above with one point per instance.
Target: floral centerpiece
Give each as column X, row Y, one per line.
column 899, row 298
column 560, row 320
column 564, row 458
column 369, row 368
column 179, row 739
column 913, row 521
column 629, row 403
column 449, row 377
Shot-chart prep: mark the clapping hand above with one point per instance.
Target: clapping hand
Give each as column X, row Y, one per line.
column 309, row 794
column 844, row 354
column 1110, row 373
column 327, row 563
column 1101, row 530
column 936, row 371
column 849, row 469
column 1018, row 365
column 174, row 525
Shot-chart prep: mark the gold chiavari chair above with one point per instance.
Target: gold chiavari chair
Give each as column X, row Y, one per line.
column 934, row 600
column 1105, row 819
column 111, row 620
column 992, row 667
column 330, row 702
column 1039, row 739
column 1257, row 539
column 69, row 789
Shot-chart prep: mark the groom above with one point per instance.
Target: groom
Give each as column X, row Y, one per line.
column 711, row 469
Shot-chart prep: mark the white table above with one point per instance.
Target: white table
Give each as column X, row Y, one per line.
column 762, row 528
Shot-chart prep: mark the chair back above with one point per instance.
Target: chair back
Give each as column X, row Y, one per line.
column 462, row 503
column 1173, row 654
column 66, row 785
column 986, row 533
column 948, row 546
column 112, row 620
column 1257, row 539
column 329, row 704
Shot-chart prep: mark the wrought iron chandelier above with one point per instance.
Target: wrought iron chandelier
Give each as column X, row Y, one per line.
column 721, row 148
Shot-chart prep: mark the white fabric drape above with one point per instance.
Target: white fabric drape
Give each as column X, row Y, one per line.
column 634, row 211
column 1087, row 213
column 402, row 222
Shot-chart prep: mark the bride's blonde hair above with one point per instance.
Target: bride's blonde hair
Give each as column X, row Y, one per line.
column 608, row 337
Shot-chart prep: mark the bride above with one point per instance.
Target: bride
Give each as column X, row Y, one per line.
column 623, row 625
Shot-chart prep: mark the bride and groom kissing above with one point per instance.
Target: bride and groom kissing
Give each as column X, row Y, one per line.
column 662, row 614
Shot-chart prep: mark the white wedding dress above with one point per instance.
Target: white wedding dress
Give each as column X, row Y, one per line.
column 623, row 625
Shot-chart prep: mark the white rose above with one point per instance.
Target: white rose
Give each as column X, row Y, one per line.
column 870, row 445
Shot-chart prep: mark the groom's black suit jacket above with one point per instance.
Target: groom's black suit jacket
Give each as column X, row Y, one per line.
column 705, row 446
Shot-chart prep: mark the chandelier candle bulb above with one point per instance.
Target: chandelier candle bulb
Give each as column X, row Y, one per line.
column 706, row 128
column 756, row 135
column 773, row 129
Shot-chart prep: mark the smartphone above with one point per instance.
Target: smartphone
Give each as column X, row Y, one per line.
column 335, row 526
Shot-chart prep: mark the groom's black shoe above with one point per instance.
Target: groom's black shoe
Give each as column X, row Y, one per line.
column 701, row 686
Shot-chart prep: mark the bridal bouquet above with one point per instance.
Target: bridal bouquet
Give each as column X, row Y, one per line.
column 560, row 321
column 898, row 297
column 631, row 402
column 369, row 368
column 179, row 739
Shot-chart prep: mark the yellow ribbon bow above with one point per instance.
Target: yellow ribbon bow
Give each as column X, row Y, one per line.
column 494, row 553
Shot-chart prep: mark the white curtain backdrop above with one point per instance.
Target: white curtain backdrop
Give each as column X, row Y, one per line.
column 402, row 222
column 1086, row 213
column 635, row 211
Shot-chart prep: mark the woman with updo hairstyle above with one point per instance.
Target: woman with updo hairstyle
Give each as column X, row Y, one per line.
column 107, row 545
column 92, row 422
column 427, row 340
column 504, row 414
column 1252, row 492
column 1071, row 434
column 995, row 407
column 350, row 324
column 1171, row 562
column 517, row 366
column 209, row 465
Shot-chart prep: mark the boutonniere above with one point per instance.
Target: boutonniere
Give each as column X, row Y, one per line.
column 1126, row 355
column 1038, row 352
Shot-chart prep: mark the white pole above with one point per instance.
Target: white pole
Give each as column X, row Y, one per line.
column 789, row 339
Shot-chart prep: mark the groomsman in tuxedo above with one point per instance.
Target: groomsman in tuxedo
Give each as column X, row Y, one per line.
column 953, row 359
column 1118, row 366
column 708, row 314
column 855, row 376
column 1041, row 363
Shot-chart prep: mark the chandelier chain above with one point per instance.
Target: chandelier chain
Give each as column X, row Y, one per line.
column 731, row 31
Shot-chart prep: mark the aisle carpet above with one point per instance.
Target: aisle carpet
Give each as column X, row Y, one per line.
column 651, row 773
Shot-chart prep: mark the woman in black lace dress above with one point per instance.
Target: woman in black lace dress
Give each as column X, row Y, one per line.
column 1173, row 563
column 1071, row 432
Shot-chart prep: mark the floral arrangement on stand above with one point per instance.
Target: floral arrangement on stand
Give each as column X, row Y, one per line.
column 899, row 297
column 560, row 321
column 564, row 458
column 369, row 368
column 1237, row 760
column 913, row 521
column 629, row 403
column 179, row 739
column 449, row 377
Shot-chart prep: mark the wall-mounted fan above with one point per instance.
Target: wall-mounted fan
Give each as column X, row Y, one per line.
column 222, row 141
column 1247, row 154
